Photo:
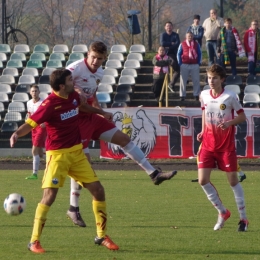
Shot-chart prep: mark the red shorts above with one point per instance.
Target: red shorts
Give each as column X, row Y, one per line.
column 39, row 136
column 226, row 161
column 92, row 126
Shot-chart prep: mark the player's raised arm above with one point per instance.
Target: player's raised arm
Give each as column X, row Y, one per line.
column 21, row 131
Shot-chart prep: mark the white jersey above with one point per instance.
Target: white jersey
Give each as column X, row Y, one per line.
column 217, row 110
column 84, row 79
column 33, row 106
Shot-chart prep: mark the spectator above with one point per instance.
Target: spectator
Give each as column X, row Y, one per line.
column 171, row 41
column 196, row 29
column 189, row 59
column 251, row 38
column 229, row 46
column 212, row 26
column 161, row 62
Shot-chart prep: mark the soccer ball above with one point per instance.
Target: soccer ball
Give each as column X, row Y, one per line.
column 14, row 204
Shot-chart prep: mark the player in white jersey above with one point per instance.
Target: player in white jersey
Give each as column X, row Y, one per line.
column 218, row 143
column 87, row 73
column 38, row 134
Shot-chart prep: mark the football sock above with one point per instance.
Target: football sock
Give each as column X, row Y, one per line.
column 240, row 201
column 75, row 190
column 138, row 156
column 213, row 197
column 240, row 173
column 36, row 163
column 39, row 221
column 100, row 212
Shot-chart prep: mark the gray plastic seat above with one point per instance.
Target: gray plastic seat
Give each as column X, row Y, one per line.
column 45, row 88
column 107, row 79
column 135, row 56
column 24, row 48
column 43, row 95
column 15, row 64
column 116, row 56
column 31, row 71
column 130, row 72
column 107, row 88
column 16, row 107
column 252, row 89
column 42, row 48
column 26, row 79
column 116, row 64
column 234, row 88
column 57, row 56
column 76, row 56
column 47, row 71
column 139, row 48
column 62, row 48
column 132, row 64
column 111, row 72
column 7, row 79
column 127, row 80
column 251, row 98
column 11, row 71
column 3, row 57
column 54, row 64
column 20, row 97
column 5, row 48
column 118, row 48
column 5, row 88
column 82, row 48
column 13, row 116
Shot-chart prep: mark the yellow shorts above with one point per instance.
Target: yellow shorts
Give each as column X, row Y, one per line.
column 73, row 164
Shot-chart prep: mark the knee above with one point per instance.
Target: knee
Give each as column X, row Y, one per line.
column 99, row 193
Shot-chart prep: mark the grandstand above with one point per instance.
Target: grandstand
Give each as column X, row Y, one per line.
column 127, row 81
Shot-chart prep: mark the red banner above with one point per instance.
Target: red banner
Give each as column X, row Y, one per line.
column 171, row 132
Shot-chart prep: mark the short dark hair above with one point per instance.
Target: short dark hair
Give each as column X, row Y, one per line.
column 58, row 77
column 228, row 20
column 98, row 47
column 169, row 23
column 217, row 70
column 34, row 86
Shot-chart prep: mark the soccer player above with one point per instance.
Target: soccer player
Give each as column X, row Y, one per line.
column 38, row 133
column 65, row 156
column 87, row 73
column 218, row 144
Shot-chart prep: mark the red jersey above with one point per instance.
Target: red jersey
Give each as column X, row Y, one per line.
column 60, row 116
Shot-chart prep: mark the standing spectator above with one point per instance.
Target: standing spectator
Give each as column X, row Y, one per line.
column 161, row 63
column 196, row 29
column 212, row 26
column 171, row 41
column 252, row 48
column 229, row 46
column 189, row 59
column 38, row 133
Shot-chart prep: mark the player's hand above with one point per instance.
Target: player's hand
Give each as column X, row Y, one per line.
column 199, row 137
column 13, row 139
column 108, row 116
column 224, row 125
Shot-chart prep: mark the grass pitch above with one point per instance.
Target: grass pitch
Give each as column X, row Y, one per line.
column 171, row 221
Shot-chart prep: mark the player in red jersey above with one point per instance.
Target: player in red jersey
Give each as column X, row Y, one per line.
column 38, row 133
column 87, row 73
column 218, row 143
column 64, row 156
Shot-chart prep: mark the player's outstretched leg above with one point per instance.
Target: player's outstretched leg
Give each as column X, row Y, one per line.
column 241, row 176
column 73, row 212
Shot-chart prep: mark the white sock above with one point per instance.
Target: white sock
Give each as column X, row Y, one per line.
column 138, row 156
column 36, row 163
column 240, row 200
column 213, row 197
column 240, row 174
column 75, row 189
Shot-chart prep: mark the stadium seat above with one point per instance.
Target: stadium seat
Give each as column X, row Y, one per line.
column 206, row 87
column 124, row 88
column 7, row 79
column 69, row 62
column 251, row 105
column 233, row 80
column 2, row 109
column 42, row 48
column 82, row 48
column 253, row 80
column 23, row 88
column 1, row 65
column 122, row 97
column 4, row 98
column 44, row 79
column 131, row 72
column 31, row 71
column 76, row 56
column 3, row 57
column 139, row 48
column 24, row 48
column 105, row 88
column 103, row 97
column 54, row 64
column 132, row 64
column 127, row 80
column 39, row 56
column 57, row 56
column 234, row 88
column 5, row 88
column 45, row 88
column 14, row 64
column 251, row 98
column 116, row 64
column 119, row 104
column 43, row 95
column 5, row 48
column 111, row 72
column 13, row 117
column 9, row 127
column 47, row 71
column 252, row 89
column 135, row 56
column 11, row 71
column 116, row 56
column 34, row 64
column 26, row 79
column 16, row 107
column 20, row 97
column 107, row 79
column 18, row 56
column 61, row 48
column 118, row 48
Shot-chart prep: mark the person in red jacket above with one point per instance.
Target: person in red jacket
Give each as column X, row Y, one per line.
column 189, row 59
column 252, row 49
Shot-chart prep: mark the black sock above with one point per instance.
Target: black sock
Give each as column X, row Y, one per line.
column 74, row 209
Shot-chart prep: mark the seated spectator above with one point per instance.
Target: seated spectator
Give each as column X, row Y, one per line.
column 229, row 46
column 161, row 63
column 196, row 29
column 189, row 59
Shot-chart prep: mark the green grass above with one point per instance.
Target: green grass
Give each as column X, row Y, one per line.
column 171, row 221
